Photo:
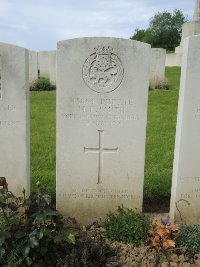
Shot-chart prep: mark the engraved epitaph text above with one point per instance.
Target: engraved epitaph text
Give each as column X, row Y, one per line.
column 100, row 150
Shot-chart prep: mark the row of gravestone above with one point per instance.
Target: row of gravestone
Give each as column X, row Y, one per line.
column 102, row 95
column 43, row 64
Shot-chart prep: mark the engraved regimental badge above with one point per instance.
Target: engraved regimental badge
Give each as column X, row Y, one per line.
column 103, row 71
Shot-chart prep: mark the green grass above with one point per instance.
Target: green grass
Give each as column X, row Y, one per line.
column 161, row 127
column 43, row 135
column 162, row 112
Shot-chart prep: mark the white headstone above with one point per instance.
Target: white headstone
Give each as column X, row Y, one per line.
column 14, row 117
column 102, row 91
column 157, row 66
column 43, row 64
column 173, row 59
column 52, row 67
column 33, row 66
column 185, row 195
column 196, row 16
column 47, row 65
column 190, row 28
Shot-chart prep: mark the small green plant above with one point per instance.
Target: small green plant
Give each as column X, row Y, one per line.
column 161, row 85
column 190, row 238
column 127, row 226
column 42, row 84
column 164, row 85
column 33, row 231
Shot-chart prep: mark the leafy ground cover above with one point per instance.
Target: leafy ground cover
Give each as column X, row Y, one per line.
column 34, row 233
column 162, row 113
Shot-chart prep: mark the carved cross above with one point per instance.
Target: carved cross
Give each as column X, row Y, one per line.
column 100, row 150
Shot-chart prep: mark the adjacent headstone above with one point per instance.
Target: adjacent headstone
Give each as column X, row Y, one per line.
column 47, row 65
column 173, row 60
column 190, row 28
column 43, row 64
column 102, row 91
column 14, row 117
column 196, row 16
column 52, row 67
column 157, row 66
column 185, row 195
column 33, row 66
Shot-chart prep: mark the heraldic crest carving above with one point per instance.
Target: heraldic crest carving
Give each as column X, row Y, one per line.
column 103, row 71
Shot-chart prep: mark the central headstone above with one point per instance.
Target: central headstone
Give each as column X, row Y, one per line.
column 102, row 92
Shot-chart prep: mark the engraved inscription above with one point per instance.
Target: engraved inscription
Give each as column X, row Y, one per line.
column 189, row 179
column 8, row 109
column 102, row 193
column 197, row 113
column 102, row 112
column 103, row 71
column 190, row 188
column 100, row 150
column 9, row 123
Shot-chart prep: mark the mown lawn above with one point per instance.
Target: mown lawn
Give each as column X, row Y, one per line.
column 43, row 140
column 161, row 127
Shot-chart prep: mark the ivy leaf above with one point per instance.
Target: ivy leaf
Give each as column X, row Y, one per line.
column 40, row 218
column 40, row 235
column 70, row 238
column 2, row 252
column 26, row 250
column 33, row 242
column 29, row 261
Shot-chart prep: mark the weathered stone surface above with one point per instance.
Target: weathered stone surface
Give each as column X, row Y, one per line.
column 185, row 194
column 196, row 16
column 157, row 66
column 47, row 65
column 52, row 67
column 102, row 89
column 173, row 60
column 14, row 117
column 190, row 28
column 33, row 66
column 43, row 64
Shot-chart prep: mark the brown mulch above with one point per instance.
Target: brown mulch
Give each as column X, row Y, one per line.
column 127, row 255
column 145, row 256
